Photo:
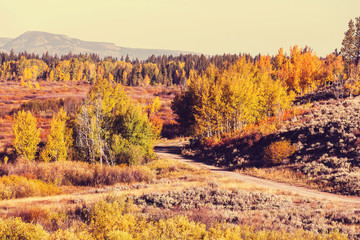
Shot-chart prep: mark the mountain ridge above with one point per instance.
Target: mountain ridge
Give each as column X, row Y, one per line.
column 41, row 42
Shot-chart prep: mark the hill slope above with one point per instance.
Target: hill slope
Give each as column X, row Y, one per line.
column 326, row 139
column 42, row 42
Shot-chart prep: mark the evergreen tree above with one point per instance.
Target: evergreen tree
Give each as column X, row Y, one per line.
column 351, row 43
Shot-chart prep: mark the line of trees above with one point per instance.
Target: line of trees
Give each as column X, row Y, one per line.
column 164, row 70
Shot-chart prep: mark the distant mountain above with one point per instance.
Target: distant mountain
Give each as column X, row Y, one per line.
column 42, row 42
column 4, row 41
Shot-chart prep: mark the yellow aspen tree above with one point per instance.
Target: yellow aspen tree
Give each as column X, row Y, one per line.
column 22, row 82
column 111, row 77
column 51, row 76
column 295, row 69
column 26, row 135
column 30, row 85
column 146, row 80
column 37, row 86
column 156, row 121
column 79, row 75
column 27, row 74
column 59, row 139
column 156, row 105
column 34, row 72
column 228, row 105
column 67, row 77
column 203, row 111
column 125, row 79
column 279, row 59
column 310, row 71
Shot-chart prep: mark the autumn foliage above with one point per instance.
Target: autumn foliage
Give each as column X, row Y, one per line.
column 304, row 72
column 111, row 129
column 277, row 152
column 26, row 135
column 59, row 140
column 225, row 101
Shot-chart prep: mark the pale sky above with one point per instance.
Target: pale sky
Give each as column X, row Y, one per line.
column 204, row 26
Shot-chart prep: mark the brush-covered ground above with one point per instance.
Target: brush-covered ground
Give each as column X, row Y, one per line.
column 168, row 200
column 318, row 148
column 161, row 199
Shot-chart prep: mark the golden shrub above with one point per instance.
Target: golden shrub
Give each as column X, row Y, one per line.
column 71, row 235
column 105, row 217
column 276, row 152
column 116, row 234
column 15, row 228
column 18, row 187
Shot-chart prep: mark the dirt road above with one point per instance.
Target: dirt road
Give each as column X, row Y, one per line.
column 171, row 151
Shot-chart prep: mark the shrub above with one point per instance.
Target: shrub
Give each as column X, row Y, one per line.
column 137, row 174
column 79, row 173
column 37, row 106
column 209, row 142
column 71, row 235
column 276, row 152
column 107, row 175
column 14, row 228
column 33, row 215
column 117, row 234
column 221, row 231
column 50, row 106
column 181, row 228
column 166, row 168
column 17, row 187
column 106, row 216
column 125, row 152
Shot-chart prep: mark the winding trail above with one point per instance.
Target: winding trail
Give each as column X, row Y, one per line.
column 172, row 151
